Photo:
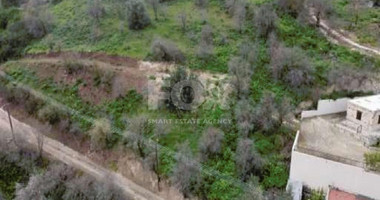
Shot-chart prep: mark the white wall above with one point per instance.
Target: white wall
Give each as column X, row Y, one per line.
column 320, row 173
column 327, row 107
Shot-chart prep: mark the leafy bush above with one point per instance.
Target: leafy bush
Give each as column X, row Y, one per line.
column 100, row 133
column 51, row 114
column 73, row 66
column 276, row 175
column 33, row 104
column 165, row 50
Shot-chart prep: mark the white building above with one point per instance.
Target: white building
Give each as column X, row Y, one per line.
column 329, row 148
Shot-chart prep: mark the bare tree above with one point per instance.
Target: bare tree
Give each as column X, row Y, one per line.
column 138, row 128
column 252, row 190
column 206, row 48
column 155, row 4
column 183, row 20
column 266, row 111
column 99, row 134
column 348, row 78
column 152, row 160
column 244, row 117
column 248, row 160
column 211, row 142
column 95, row 9
column 354, row 7
column 241, row 73
column 239, row 15
column 284, row 108
column 186, row 171
column 320, row 9
column 265, row 20
column 291, row 66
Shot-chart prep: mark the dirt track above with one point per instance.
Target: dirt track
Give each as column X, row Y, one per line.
column 58, row 151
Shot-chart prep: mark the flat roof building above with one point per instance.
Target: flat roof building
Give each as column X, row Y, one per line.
column 329, row 148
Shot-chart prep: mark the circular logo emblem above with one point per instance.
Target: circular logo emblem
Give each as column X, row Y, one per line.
column 187, row 95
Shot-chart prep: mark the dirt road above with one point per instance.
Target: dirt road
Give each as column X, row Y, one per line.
column 58, row 151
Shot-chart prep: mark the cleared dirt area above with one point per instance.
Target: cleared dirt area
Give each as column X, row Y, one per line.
column 124, row 74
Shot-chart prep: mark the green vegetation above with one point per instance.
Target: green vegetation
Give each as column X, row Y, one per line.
column 372, row 160
column 214, row 39
column 358, row 17
column 10, row 174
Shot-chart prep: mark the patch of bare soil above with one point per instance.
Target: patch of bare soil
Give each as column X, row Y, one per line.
column 127, row 74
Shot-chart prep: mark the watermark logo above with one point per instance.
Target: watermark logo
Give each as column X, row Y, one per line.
column 187, row 95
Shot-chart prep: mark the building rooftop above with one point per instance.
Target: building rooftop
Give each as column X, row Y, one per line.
column 371, row 103
column 321, row 136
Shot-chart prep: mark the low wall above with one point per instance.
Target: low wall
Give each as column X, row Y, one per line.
column 319, row 173
column 326, row 107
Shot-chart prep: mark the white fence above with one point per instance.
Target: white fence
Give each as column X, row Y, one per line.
column 326, row 107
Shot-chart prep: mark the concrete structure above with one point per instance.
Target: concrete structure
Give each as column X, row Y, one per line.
column 329, row 147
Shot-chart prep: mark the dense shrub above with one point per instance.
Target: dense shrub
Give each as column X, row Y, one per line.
column 165, row 50
column 73, row 66
column 99, row 134
column 33, row 104
column 51, row 114
column 138, row 17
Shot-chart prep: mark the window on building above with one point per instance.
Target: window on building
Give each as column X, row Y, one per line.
column 359, row 115
column 378, row 120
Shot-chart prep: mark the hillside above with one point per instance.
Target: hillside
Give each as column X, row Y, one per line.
column 90, row 70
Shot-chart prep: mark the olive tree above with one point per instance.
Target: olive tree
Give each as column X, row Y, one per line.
column 95, row 9
column 186, row 171
column 211, row 142
column 241, row 74
column 248, row 160
column 291, row 66
column 138, row 128
column 244, row 117
column 206, row 48
column 266, row 111
column 265, row 20
column 320, row 9
column 37, row 18
column 138, row 17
